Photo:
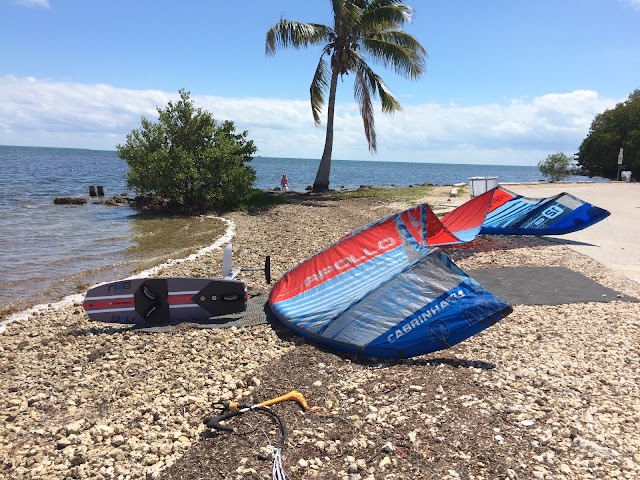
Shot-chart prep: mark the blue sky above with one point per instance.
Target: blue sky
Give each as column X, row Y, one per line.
column 507, row 82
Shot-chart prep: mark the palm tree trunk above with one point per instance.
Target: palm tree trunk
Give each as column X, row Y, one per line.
column 321, row 183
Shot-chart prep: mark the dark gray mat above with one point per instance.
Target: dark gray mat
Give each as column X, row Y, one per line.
column 544, row 286
column 254, row 315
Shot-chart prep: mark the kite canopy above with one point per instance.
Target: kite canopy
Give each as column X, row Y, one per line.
column 499, row 211
column 513, row 214
column 383, row 291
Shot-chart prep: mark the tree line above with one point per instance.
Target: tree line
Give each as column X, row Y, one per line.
column 610, row 131
column 611, row 147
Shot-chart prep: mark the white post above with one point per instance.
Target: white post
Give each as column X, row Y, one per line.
column 620, row 160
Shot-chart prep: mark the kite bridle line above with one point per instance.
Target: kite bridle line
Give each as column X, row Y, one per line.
column 233, row 409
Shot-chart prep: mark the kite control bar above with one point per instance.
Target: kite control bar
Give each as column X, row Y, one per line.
column 233, row 409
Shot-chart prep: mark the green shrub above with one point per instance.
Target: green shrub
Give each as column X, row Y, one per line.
column 189, row 161
column 556, row 167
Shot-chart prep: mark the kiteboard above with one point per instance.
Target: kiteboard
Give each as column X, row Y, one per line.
column 147, row 301
column 165, row 300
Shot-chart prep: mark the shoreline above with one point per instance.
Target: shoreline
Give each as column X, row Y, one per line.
column 542, row 390
column 69, row 300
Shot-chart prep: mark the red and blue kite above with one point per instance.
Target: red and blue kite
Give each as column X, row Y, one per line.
column 385, row 290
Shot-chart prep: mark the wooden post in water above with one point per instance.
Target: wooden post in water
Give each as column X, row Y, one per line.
column 92, row 191
column 100, row 191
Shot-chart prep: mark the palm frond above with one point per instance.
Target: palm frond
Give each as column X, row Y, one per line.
column 346, row 14
column 383, row 14
column 399, row 37
column 287, row 33
column 403, row 58
column 362, row 93
column 319, row 85
column 389, row 102
column 336, row 8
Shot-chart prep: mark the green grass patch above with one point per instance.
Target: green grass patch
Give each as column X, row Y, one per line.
column 403, row 194
column 411, row 194
column 260, row 198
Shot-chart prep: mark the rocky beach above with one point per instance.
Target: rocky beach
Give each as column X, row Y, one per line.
column 550, row 392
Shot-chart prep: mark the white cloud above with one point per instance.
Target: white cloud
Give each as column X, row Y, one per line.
column 519, row 132
column 63, row 114
column 635, row 4
column 34, row 3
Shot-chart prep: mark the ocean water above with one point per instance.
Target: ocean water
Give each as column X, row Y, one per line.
column 49, row 251
column 353, row 174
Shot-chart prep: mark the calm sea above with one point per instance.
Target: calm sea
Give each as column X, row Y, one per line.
column 49, row 251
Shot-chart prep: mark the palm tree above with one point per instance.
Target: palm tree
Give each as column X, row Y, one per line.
column 361, row 27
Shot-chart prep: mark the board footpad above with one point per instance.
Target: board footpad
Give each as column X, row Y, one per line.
column 151, row 300
column 148, row 293
column 222, row 297
column 150, row 311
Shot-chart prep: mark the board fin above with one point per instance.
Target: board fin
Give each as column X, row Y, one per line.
column 227, row 263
